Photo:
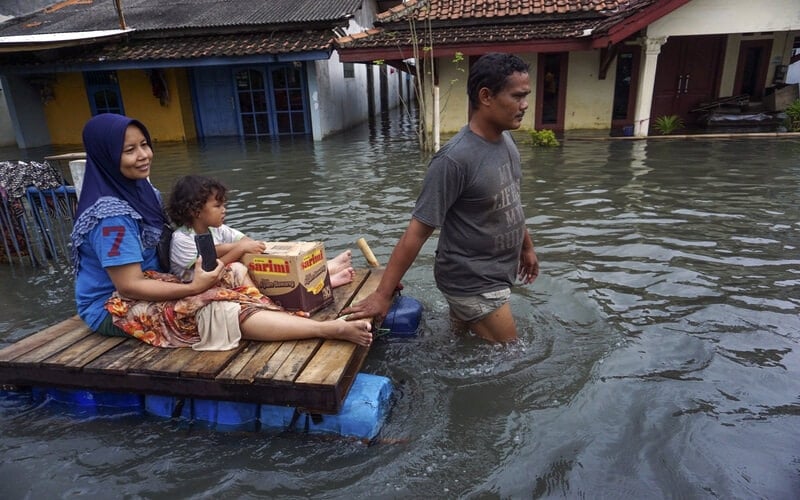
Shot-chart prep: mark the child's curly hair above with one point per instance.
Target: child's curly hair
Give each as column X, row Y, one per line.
column 188, row 196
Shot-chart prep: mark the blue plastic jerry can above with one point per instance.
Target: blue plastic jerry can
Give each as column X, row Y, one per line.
column 403, row 317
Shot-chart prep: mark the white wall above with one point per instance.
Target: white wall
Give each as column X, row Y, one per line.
column 710, row 17
column 339, row 102
column 589, row 99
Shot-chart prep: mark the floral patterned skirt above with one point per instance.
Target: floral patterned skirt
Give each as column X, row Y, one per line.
column 172, row 323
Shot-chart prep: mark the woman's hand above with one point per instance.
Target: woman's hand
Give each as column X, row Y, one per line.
column 203, row 280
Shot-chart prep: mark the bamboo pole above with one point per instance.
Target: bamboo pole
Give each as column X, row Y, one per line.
column 367, row 251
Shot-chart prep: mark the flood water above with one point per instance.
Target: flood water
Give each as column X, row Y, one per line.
column 658, row 355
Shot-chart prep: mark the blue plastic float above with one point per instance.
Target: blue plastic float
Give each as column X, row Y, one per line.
column 363, row 413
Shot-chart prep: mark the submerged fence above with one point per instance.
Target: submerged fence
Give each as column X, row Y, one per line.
column 36, row 214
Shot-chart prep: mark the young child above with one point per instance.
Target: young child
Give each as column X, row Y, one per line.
column 197, row 205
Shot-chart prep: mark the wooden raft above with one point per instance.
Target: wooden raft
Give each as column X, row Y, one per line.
column 313, row 375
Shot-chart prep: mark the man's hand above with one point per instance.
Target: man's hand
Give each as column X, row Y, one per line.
column 528, row 266
column 374, row 306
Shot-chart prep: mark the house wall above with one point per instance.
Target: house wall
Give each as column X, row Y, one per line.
column 165, row 123
column 710, row 17
column 453, row 99
column 26, row 111
column 173, row 122
column 589, row 99
column 70, row 106
column 742, row 20
column 7, row 137
column 339, row 103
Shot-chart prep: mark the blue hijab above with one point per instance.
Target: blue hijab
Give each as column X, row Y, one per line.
column 105, row 192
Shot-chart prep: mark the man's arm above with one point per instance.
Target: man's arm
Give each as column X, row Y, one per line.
column 377, row 304
column 528, row 261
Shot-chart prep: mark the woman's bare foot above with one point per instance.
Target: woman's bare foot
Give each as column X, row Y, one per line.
column 357, row 331
column 340, row 262
column 343, row 277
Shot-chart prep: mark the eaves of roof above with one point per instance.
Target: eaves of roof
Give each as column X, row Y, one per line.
column 176, row 32
column 176, row 51
column 548, row 30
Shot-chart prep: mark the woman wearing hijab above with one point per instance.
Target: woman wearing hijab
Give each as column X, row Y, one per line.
column 119, row 288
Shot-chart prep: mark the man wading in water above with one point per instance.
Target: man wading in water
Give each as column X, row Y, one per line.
column 471, row 192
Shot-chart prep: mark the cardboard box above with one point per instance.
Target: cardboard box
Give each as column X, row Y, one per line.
column 293, row 274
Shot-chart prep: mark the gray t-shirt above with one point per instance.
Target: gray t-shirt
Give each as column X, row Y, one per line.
column 471, row 192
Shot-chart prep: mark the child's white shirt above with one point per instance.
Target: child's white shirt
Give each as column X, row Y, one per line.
column 183, row 251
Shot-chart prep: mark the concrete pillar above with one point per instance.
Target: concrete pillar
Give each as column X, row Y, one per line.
column 647, row 80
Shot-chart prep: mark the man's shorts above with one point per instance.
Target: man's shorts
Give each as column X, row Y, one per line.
column 476, row 307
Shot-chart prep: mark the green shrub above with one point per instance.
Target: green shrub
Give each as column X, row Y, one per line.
column 667, row 124
column 544, row 138
column 793, row 116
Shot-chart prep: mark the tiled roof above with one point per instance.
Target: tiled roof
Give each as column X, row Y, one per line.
column 493, row 9
column 471, row 26
column 176, row 30
column 145, row 15
column 183, row 49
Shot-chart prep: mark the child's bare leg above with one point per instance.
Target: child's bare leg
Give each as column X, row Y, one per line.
column 239, row 276
column 343, row 277
column 278, row 325
column 340, row 262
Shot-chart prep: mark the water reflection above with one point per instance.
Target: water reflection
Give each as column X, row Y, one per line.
column 657, row 347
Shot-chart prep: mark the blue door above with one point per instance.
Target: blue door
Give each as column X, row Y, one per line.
column 214, row 102
column 255, row 101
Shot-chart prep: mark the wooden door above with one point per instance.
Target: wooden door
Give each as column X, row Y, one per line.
column 551, row 91
column 688, row 74
column 215, row 111
column 751, row 70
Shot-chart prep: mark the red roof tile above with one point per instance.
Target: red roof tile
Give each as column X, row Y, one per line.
column 471, row 26
column 475, row 9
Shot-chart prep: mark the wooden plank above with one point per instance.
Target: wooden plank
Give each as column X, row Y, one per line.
column 118, row 361
column 275, row 362
column 208, row 364
column 326, row 367
column 369, row 286
column 249, row 363
column 297, row 360
column 152, row 355
column 54, row 346
column 38, row 339
column 82, row 352
column 166, row 364
column 342, row 295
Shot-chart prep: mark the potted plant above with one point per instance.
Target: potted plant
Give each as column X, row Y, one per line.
column 667, row 124
column 544, row 138
column 793, row 116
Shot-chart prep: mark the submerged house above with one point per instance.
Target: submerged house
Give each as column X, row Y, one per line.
column 612, row 65
column 194, row 68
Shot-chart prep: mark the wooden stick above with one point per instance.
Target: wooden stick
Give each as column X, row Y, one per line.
column 367, row 251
